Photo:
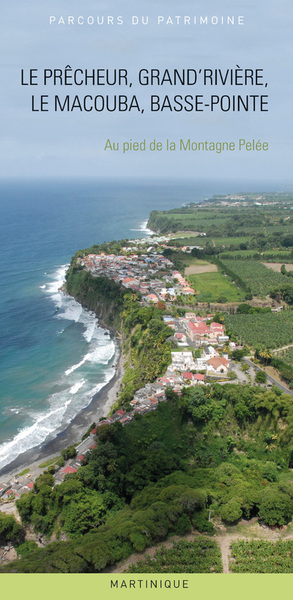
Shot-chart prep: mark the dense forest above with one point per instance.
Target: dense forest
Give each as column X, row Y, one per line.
column 225, row 449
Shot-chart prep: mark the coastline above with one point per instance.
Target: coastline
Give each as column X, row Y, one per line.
column 99, row 406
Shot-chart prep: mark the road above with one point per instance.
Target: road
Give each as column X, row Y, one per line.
column 269, row 377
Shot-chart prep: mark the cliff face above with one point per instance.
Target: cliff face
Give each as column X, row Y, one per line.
column 99, row 294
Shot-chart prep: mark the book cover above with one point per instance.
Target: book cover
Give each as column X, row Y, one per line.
column 112, row 117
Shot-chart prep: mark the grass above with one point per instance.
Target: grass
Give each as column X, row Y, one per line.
column 227, row 241
column 182, row 349
column 24, row 472
column 213, row 285
column 190, row 260
column 51, row 461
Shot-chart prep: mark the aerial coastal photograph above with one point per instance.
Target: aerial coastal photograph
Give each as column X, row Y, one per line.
column 147, row 377
column 146, row 306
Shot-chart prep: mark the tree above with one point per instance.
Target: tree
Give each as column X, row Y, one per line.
column 261, row 377
column 10, row 529
column 83, row 513
column 276, row 508
column 69, row 452
column 231, row 511
column 265, row 356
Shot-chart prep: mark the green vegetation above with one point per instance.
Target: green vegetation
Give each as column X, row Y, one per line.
column 48, row 463
column 26, row 548
column 273, row 256
column 242, row 226
column 262, row 330
column 214, row 287
column 200, row 556
column 221, row 448
column 148, row 354
column 261, row 557
column 261, row 377
column 10, row 529
column 100, row 294
column 143, row 330
column 24, row 472
column 255, row 276
column 69, row 452
column 286, row 356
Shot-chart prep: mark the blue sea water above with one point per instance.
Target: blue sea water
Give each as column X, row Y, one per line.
column 53, row 355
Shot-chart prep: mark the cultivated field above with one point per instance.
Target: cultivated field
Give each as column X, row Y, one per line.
column 201, row 267
column 213, row 285
column 277, row 266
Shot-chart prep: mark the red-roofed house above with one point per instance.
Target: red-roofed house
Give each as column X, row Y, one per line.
column 199, row 377
column 68, row 469
column 187, row 375
column 197, row 329
column 152, row 298
column 218, row 365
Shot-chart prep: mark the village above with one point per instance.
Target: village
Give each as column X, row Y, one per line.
column 151, row 274
column 199, row 349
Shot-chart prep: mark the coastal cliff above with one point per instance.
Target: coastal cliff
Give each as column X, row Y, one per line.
column 141, row 329
column 100, row 294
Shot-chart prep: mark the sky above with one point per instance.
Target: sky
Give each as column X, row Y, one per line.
column 72, row 144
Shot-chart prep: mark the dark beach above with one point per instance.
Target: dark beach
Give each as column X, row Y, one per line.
column 99, row 407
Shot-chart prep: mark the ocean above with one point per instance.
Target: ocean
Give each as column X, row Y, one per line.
column 54, row 356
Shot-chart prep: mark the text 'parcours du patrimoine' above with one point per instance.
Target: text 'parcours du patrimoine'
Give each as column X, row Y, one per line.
column 225, row 100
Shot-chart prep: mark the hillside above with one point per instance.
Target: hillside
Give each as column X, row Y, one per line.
column 222, row 448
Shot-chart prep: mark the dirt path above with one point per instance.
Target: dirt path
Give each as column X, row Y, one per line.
column 255, row 532
column 283, row 348
column 223, row 538
column 277, row 266
column 122, row 566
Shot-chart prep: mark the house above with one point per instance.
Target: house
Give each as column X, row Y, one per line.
column 152, row 298
column 222, row 339
column 68, row 470
column 187, row 375
column 198, row 377
column 182, row 361
column 218, row 366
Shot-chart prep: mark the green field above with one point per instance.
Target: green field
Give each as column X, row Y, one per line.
column 286, row 355
column 265, row 330
column 228, row 241
column 267, row 256
column 212, row 286
column 257, row 277
column 259, row 556
column 188, row 241
column 200, row 556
